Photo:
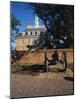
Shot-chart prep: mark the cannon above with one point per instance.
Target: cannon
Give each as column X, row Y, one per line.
column 55, row 60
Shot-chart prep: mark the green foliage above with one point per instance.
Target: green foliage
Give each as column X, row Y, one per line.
column 59, row 21
column 14, row 22
column 14, row 29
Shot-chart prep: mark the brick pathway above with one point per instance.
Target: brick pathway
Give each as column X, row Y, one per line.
column 41, row 84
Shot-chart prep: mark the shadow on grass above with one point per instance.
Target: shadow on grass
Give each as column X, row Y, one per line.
column 34, row 70
column 69, row 78
column 30, row 70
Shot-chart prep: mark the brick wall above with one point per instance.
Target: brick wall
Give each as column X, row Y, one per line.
column 22, row 42
column 39, row 56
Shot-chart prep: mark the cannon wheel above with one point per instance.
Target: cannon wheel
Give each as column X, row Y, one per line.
column 64, row 65
column 46, row 64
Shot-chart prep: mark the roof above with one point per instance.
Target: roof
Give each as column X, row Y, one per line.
column 35, row 29
column 30, row 36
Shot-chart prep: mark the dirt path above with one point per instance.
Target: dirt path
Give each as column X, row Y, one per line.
column 42, row 84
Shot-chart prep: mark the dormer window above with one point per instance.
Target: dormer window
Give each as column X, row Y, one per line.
column 26, row 33
column 31, row 33
column 35, row 33
column 41, row 33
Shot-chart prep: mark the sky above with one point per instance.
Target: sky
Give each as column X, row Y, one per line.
column 23, row 13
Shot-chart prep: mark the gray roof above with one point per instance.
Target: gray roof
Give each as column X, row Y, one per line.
column 35, row 29
column 30, row 36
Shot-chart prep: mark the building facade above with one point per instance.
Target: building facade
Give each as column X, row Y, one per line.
column 32, row 36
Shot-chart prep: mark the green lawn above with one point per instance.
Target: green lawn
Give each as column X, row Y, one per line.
column 32, row 67
column 71, row 66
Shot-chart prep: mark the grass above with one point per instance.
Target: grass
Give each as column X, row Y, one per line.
column 27, row 68
column 17, row 67
column 71, row 66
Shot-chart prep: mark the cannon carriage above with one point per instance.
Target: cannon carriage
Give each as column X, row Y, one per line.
column 55, row 61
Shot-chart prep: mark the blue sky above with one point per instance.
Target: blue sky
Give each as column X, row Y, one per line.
column 23, row 13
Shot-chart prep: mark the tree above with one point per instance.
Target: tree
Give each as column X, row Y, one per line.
column 59, row 21
column 14, row 29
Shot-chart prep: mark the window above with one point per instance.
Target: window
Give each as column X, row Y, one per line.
column 26, row 33
column 22, row 41
column 31, row 33
column 41, row 33
column 35, row 33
